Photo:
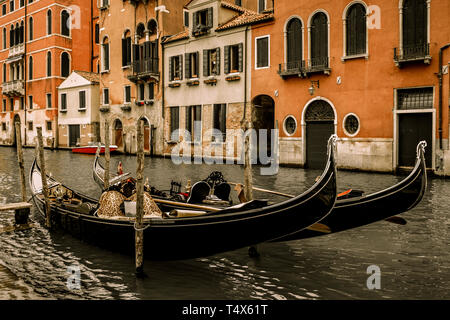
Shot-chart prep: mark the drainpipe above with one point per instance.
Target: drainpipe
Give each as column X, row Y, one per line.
column 91, row 37
column 245, row 76
column 439, row 75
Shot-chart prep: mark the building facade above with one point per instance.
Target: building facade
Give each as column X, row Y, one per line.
column 369, row 72
column 41, row 41
column 78, row 109
column 207, row 80
column 131, row 69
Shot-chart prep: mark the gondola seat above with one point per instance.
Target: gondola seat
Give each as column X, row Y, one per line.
column 199, row 191
column 109, row 204
column 222, row 191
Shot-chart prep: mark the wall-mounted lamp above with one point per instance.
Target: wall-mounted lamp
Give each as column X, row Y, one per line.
column 311, row 89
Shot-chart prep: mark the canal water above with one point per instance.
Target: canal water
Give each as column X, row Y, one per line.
column 414, row 259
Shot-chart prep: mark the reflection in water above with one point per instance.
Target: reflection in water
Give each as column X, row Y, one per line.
column 414, row 259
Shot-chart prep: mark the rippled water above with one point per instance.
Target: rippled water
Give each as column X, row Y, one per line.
column 414, row 259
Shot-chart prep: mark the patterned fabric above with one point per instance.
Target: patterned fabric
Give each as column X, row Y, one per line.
column 110, row 202
column 150, row 207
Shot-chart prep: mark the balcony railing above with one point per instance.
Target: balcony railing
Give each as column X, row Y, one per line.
column 419, row 52
column 292, row 68
column 145, row 68
column 13, row 88
column 16, row 50
column 319, row 64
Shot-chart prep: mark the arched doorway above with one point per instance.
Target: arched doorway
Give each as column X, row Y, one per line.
column 264, row 118
column 146, row 134
column 118, row 141
column 319, row 120
column 16, row 119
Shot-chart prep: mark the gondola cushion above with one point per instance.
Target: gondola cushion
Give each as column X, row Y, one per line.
column 150, row 207
column 110, row 202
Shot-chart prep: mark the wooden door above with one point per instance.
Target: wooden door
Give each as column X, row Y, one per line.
column 414, row 127
column 317, row 135
column 74, row 135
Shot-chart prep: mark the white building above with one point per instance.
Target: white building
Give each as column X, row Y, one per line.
column 207, row 76
column 78, row 109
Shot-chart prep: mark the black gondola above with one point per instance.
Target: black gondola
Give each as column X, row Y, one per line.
column 189, row 237
column 358, row 211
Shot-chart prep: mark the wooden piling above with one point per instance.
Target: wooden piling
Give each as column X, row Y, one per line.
column 40, row 147
column 140, row 200
column 20, row 161
column 107, row 156
column 248, row 175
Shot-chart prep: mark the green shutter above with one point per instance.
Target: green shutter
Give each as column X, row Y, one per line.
column 218, row 61
column 187, row 65
column 226, row 59
column 205, row 63
column 241, row 57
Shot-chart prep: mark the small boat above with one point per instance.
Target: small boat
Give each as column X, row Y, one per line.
column 190, row 236
column 92, row 149
column 353, row 212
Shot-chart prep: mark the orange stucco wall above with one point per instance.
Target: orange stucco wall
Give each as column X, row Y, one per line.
column 367, row 85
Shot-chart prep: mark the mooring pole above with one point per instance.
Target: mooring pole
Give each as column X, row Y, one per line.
column 40, row 147
column 248, row 176
column 107, row 156
column 20, row 161
column 140, row 200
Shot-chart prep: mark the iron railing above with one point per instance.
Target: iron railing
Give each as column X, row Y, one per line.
column 408, row 53
column 291, row 68
column 318, row 64
column 146, row 66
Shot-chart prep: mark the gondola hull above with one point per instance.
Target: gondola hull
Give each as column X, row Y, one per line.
column 359, row 211
column 184, row 238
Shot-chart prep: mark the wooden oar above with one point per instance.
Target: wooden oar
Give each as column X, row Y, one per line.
column 186, row 205
column 268, row 191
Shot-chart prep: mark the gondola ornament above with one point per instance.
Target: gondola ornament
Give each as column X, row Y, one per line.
column 421, row 147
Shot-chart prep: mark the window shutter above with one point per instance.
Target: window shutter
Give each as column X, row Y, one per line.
column 187, row 65
column 171, row 69
column 194, row 21
column 147, row 49
column 11, row 37
column 226, row 59
column 197, row 61
column 205, row 63
column 128, row 50
column 180, row 62
column 135, row 52
column 188, row 119
column 241, row 57
column 124, row 52
column 217, row 61
column 107, row 56
column 210, row 17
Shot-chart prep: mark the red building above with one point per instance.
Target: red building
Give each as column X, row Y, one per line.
column 42, row 41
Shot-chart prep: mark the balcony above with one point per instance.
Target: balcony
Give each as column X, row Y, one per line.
column 16, row 50
column 318, row 65
column 292, row 68
column 144, row 69
column 416, row 53
column 13, row 88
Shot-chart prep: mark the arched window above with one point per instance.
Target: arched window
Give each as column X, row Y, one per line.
column 126, row 48
column 21, row 32
column 49, row 22
column 319, row 41
column 65, row 23
column 49, row 64
column 294, row 45
column 105, row 54
column 65, row 64
column 4, row 38
column 140, row 31
column 152, row 27
column 4, row 72
column 356, row 30
column 414, row 25
column 30, row 68
column 17, row 34
column 12, row 36
column 30, row 28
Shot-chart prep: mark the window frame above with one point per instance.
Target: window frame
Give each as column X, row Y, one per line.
column 125, row 89
column 80, row 108
column 105, row 96
column 222, row 121
column 345, row 55
column 48, row 100
column 63, row 102
column 69, row 28
column 257, row 51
